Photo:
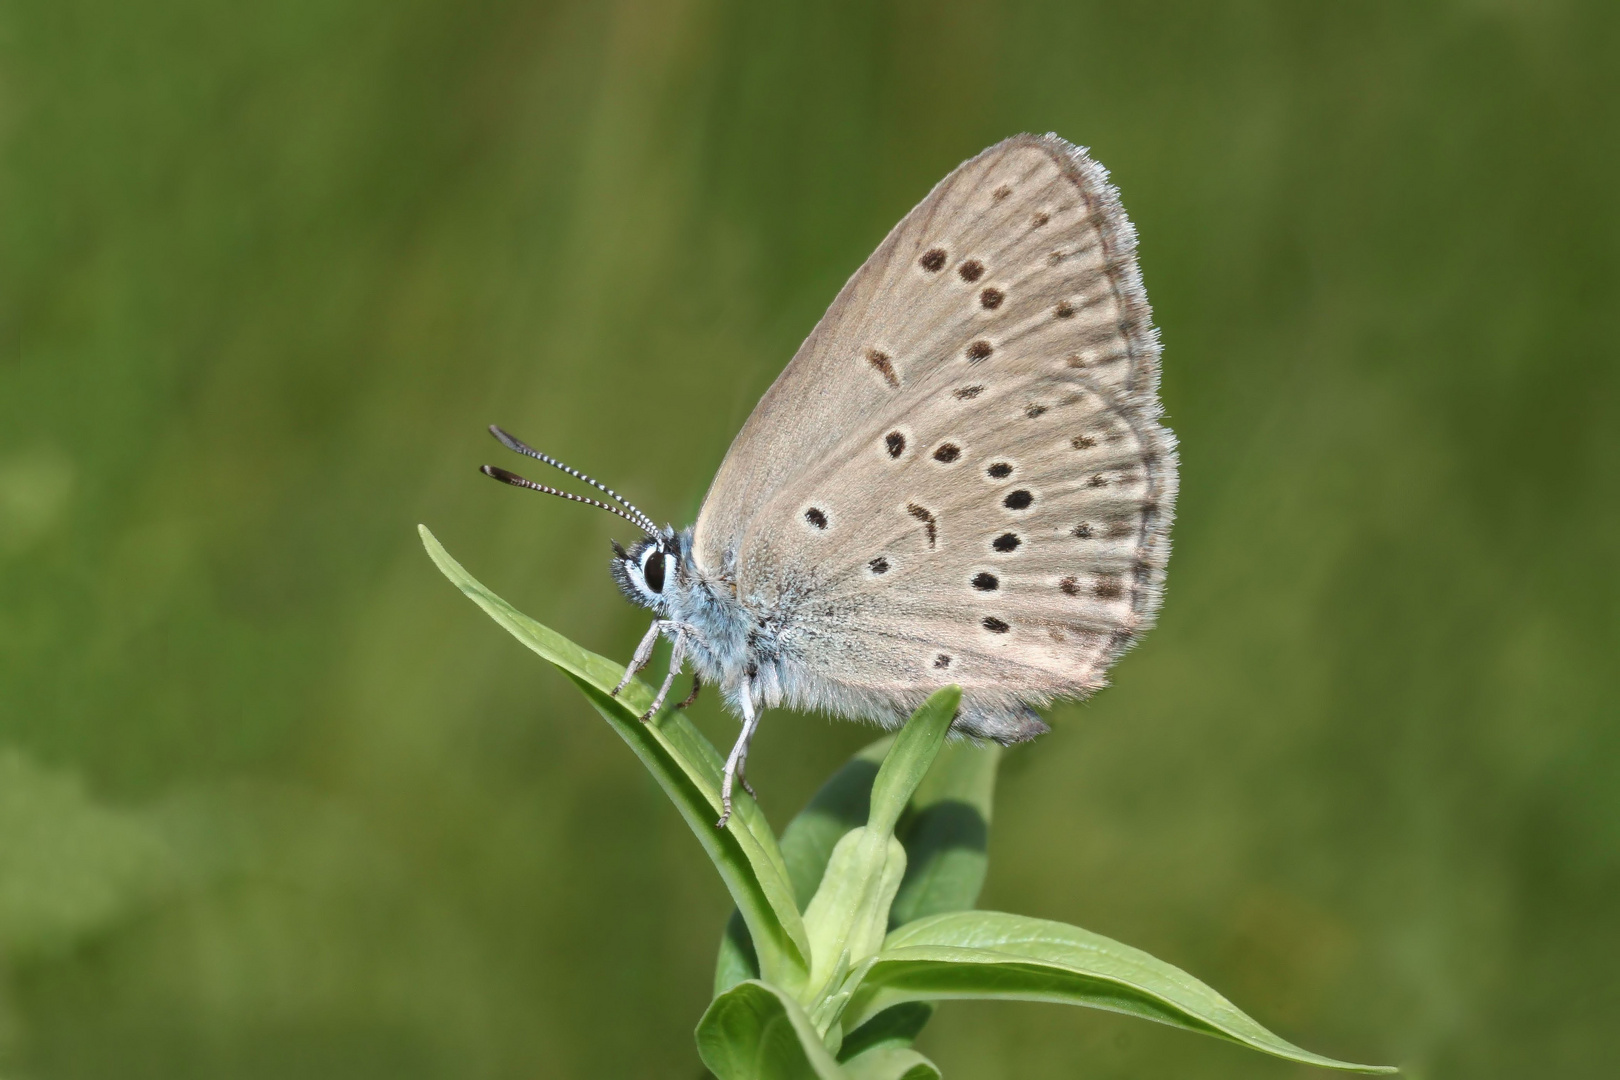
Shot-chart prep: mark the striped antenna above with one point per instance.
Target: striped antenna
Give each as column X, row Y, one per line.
column 505, row 477
column 521, row 447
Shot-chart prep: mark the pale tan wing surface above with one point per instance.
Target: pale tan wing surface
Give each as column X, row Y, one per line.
column 961, row 476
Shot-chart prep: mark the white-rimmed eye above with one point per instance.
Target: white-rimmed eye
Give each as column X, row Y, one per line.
column 652, row 570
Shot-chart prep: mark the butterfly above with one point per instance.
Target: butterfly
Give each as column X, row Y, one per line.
column 961, row 477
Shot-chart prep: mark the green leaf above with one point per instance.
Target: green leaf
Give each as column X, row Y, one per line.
column 947, row 833
column 944, row 832
column 898, row 1026
column 687, row 767
column 890, row 1063
column 987, row 954
column 755, row 1031
column 840, row 805
column 849, row 913
column 737, row 961
column 846, row 918
column 909, row 758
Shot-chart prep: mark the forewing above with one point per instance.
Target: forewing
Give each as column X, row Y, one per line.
column 1001, row 323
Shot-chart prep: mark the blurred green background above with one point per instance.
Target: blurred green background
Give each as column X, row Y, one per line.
column 276, row 801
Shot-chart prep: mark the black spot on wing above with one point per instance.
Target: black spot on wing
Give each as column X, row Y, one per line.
column 884, row 366
column 930, row 526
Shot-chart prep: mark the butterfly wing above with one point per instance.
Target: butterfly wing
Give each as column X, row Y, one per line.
column 961, row 476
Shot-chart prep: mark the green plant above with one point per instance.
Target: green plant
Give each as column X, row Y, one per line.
column 861, row 916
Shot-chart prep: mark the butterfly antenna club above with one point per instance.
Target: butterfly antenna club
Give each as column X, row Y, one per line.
column 495, row 472
column 517, row 445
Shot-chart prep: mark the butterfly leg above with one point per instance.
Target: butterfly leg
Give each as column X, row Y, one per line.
column 742, row 772
column 643, row 653
column 677, row 655
column 739, row 754
column 697, row 684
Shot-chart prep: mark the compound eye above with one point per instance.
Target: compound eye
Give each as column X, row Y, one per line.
column 652, row 570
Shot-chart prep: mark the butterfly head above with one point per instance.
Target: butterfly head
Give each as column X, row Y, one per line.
column 649, row 570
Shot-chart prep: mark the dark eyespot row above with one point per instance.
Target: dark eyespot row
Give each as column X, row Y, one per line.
column 991, row 298
column 933, row 260
column 986, row 582
column 895, row 443
column 942, row 662
column 967, row 393
column 979, row 350
column 971, row 270
column 879, row 565
column 994, row 625
column 1006, row 542
column 1018, row 500
column 1064, row 310
column 947, row 453
column 1000, row 470
column 816, row 516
